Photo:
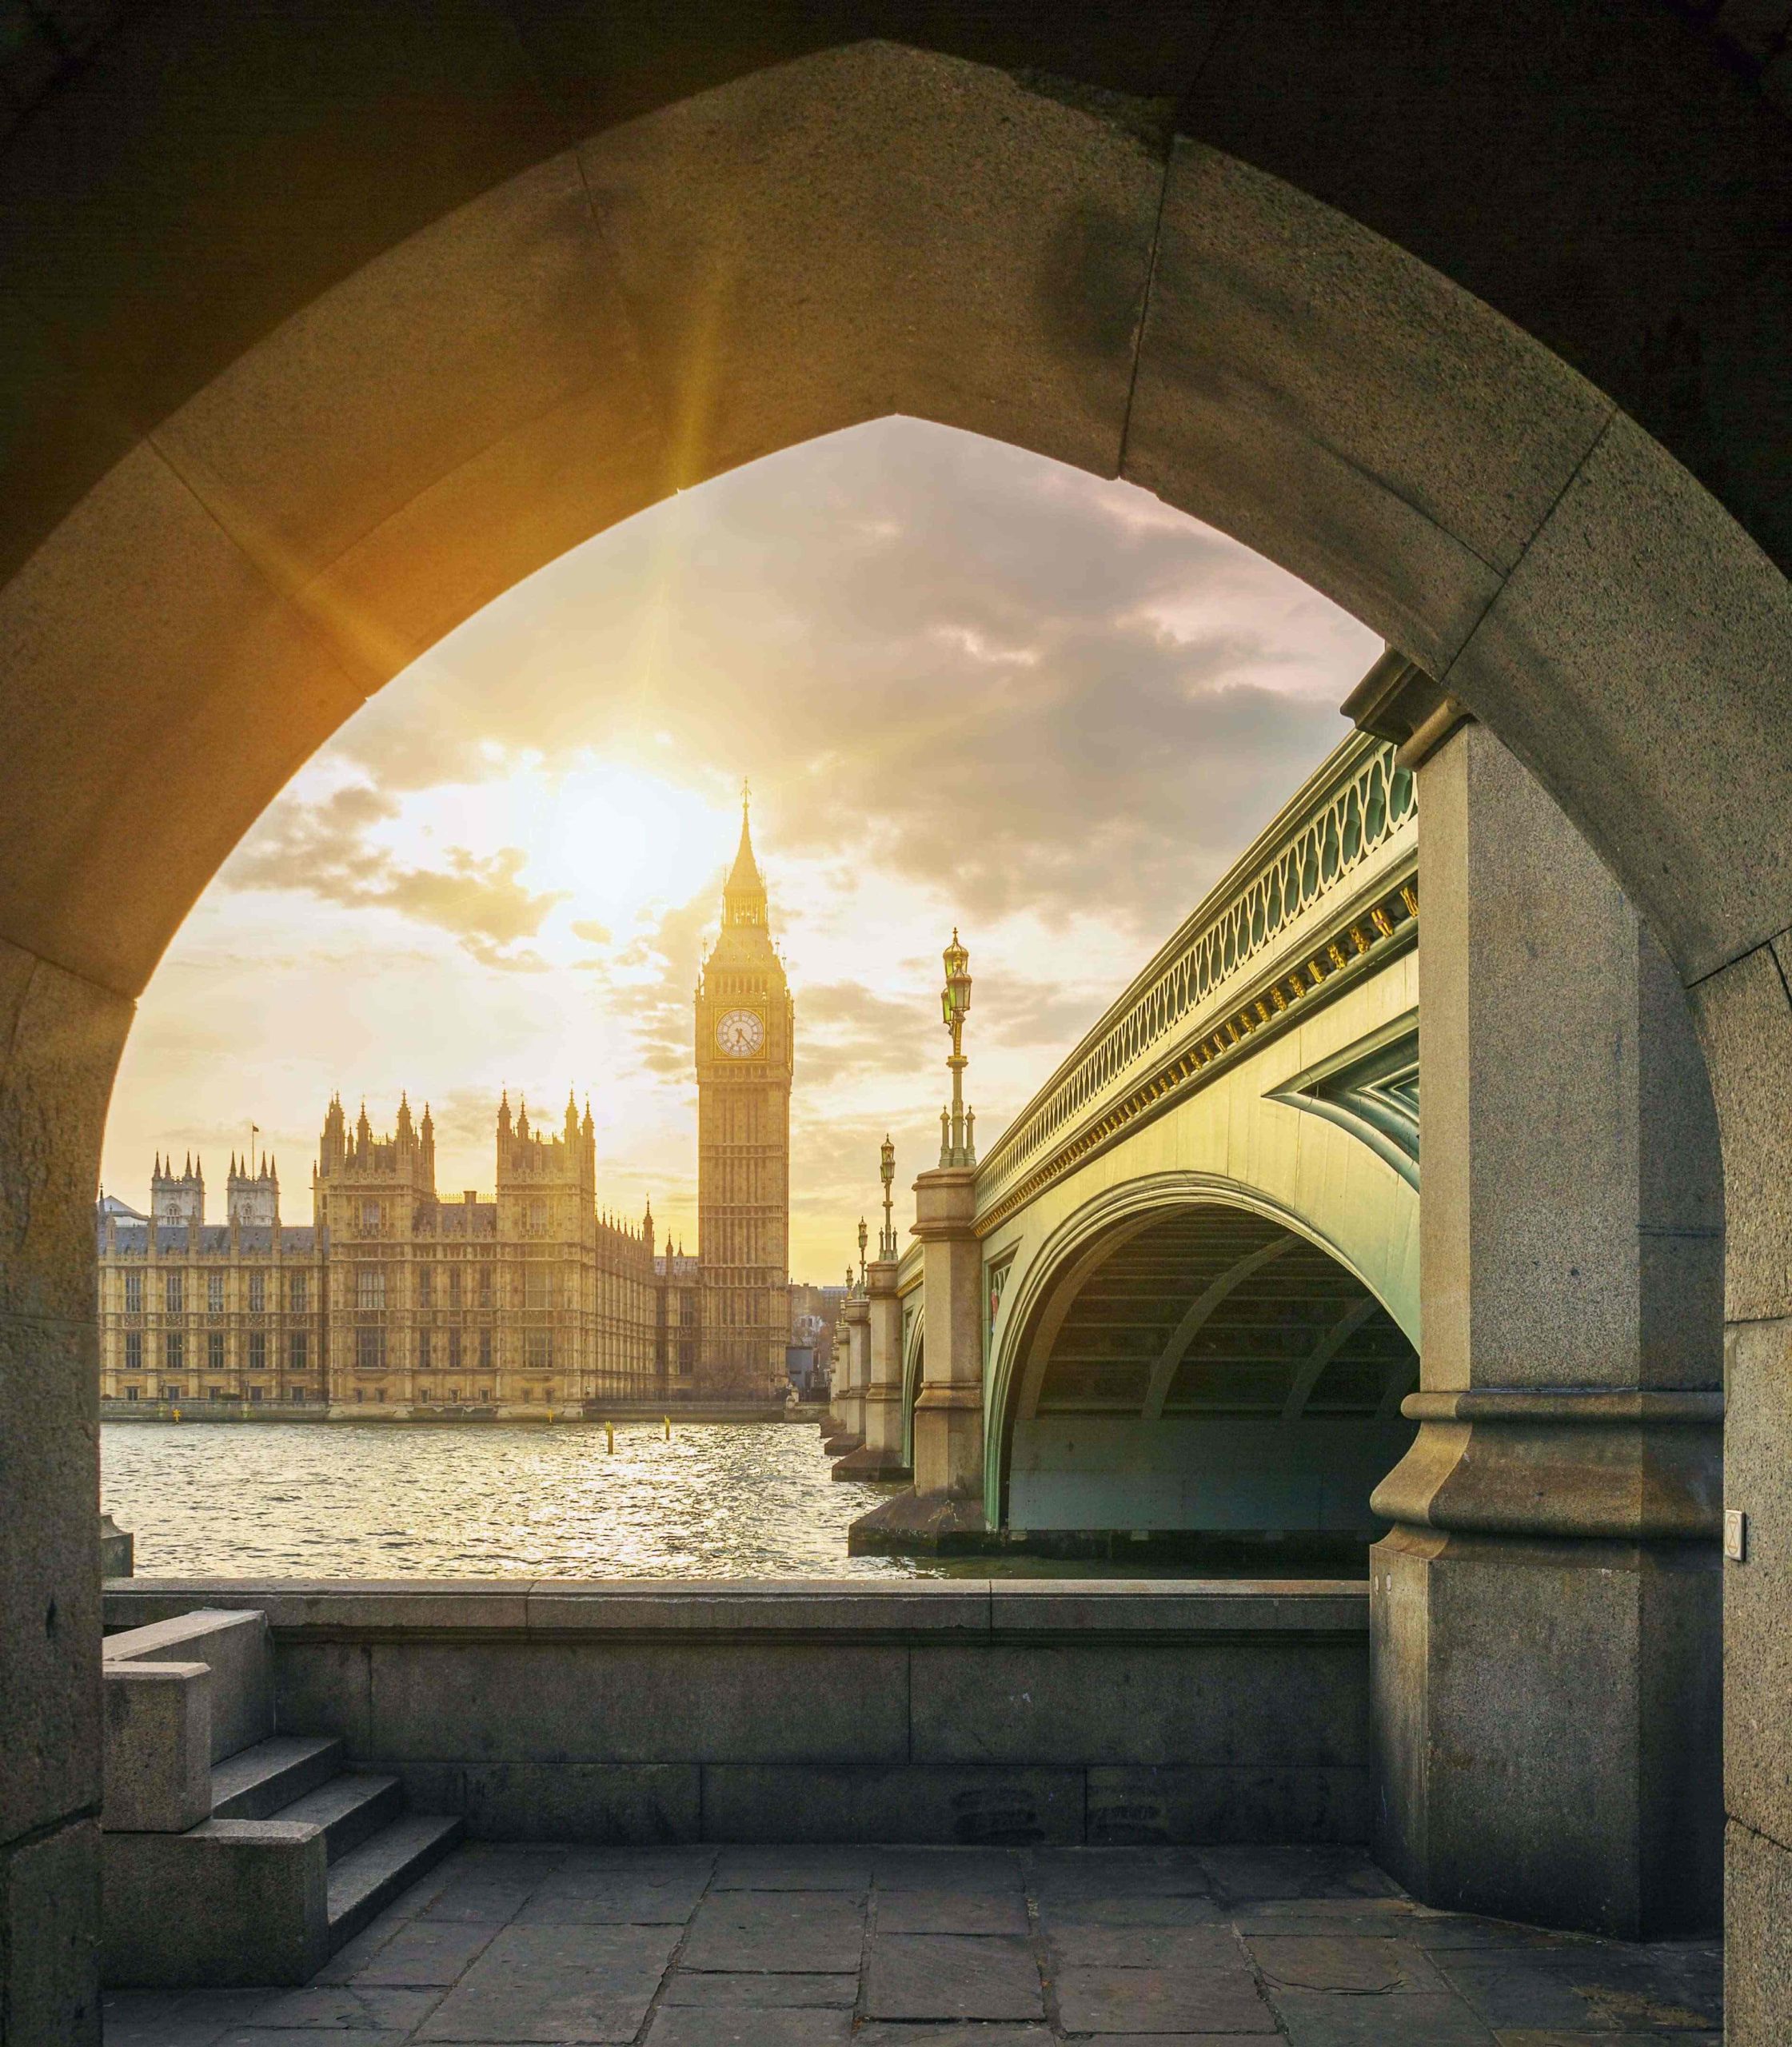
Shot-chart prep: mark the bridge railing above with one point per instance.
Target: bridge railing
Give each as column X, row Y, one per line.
column 1340, row 829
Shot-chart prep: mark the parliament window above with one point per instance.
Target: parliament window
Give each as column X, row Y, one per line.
column 133, row 1293
column 134, row 1351
column 174, row 1292
column 257, row 1351
column 369, row 1351
column 484, row 1352
column 454, row 1286
column 257, row 1293
column 454, row 1350
column 370, row 1285
column 425, row 1285
column 174, row 1353
column 539, row 1350
column 423, row 1350
column 295, row 1292
column 214, row 1351
column 538, row 1286
column 214, row 1293
column 296, row 1346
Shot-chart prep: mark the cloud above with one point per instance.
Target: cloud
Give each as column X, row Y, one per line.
column 999, row 677
column 647, row 982
column 324, row 849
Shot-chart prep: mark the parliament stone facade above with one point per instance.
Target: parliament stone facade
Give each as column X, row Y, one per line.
column 396, row 1299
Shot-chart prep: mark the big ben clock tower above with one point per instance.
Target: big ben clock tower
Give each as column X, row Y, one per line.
column 744, row 1022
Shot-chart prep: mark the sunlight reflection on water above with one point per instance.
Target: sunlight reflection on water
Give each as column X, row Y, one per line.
column 418, row 1500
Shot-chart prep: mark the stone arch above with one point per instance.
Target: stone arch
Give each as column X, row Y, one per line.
column 914, row 1360
column 1200, row 1270
column 292, row 387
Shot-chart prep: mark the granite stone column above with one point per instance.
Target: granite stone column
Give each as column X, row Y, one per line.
column 1546, row 1610
column 60, row 1038
column 841, row 1436
column 879, row 1456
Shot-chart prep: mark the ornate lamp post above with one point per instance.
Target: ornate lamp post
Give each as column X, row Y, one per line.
column 958, row 1142
column 887, row 1242
column 864, row 1239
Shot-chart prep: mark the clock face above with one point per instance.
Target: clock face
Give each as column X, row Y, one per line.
column 739, row 1033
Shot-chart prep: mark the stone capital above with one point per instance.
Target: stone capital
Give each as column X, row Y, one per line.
column 856, row 1308
column 1397, row 700
column 946, row 1202
column 880, row 1277
column 1623, row 1466
column 938, row 1395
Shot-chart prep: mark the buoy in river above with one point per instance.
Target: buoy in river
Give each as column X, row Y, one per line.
column 609, row 1435
column 668, row 1419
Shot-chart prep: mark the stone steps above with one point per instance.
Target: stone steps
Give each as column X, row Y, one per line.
column 349, row 1809
column 367, row 1879
column 258, row 1782
column 233, row 1854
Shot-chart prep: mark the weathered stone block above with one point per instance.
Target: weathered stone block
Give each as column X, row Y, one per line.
column 636, row 1701
column 1578, row 1790
column 1294, row 1804
column 1284, row 1701
column 950, row 1805
column 232, row 1901
column 235, row 1647
column 1745, row 1018
column 1024, row 332
column 1756, row 1962
column 1758, row 1591
column 49, row 1974
column 637, row 1804
column 1641, row 617
column 326, row 1688
column 1316, row 391
column 158, row 1747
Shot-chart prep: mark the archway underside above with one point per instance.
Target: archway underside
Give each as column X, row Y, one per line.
column 1215, row 1311
column 1215, row 1373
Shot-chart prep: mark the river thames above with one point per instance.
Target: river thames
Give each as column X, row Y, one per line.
column 418, row 1500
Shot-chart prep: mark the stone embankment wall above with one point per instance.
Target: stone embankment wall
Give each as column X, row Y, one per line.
column 966, row 1710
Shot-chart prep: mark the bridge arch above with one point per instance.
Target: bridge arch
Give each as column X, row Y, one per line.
column 289, row 397
column 1186, row 1354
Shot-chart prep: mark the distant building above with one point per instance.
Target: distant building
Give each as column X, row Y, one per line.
column 745, row 1044
column 395, row 1298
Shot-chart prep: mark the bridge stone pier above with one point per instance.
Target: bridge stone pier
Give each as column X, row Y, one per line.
column 880, row 1455
column 1178, row 1298
column 1547, row 1605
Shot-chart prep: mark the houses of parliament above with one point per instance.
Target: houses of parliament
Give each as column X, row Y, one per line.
column 397, row 1298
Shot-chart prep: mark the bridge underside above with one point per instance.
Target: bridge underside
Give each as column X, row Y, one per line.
column 1210, row 1373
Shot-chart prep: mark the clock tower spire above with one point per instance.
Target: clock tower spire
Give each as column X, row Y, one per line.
column 744, row 1033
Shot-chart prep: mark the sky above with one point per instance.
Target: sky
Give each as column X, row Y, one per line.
column 969, row 686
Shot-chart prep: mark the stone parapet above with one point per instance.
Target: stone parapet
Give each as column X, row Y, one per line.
column 963, row 1710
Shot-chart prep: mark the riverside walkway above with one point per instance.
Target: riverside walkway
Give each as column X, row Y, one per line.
column 916, row 1947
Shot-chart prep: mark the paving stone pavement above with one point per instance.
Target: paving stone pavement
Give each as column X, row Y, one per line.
column 911, row 1947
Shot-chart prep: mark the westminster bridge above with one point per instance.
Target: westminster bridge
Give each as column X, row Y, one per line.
column 1199, row 1291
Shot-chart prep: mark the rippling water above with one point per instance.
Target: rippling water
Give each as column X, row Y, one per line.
column 411, row 1500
